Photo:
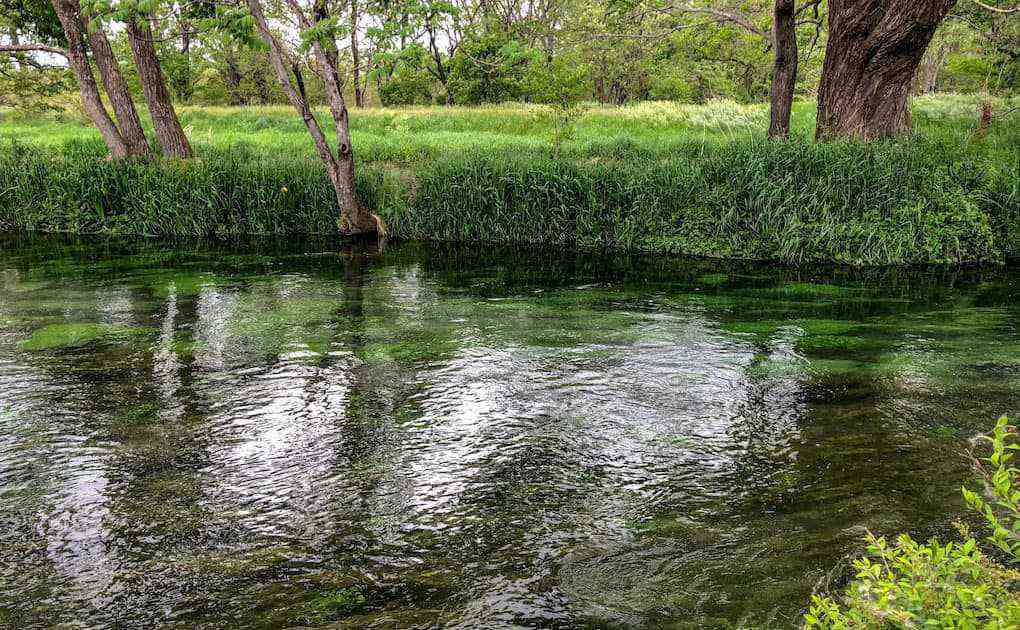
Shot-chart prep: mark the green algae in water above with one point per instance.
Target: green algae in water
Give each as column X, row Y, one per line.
column 815, row 343
column 335, row 605
column 812, row 290
column 57, row 336
column 751, row 328
column 714, row 279
column 530, row 456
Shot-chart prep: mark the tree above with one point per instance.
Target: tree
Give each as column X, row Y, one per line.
column 69, row 14
column 316, row 30
column 117, row 91
column 871, row 58
column 784, row 75
column 167, row 125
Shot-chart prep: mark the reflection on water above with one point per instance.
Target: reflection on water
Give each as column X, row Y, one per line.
column 262, row 436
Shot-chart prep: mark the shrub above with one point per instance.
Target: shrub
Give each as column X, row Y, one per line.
column 955, row 585
column 411, row 88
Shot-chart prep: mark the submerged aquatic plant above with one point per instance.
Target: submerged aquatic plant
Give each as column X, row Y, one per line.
column 78, row 334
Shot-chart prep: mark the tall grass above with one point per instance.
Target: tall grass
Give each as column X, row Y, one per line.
column 653, row 177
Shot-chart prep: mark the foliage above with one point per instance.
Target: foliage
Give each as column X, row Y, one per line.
column 1001, row 504
column 952, row 585
column 488, row 68
column 407, row 88
column 653, row 177
column 550, row 52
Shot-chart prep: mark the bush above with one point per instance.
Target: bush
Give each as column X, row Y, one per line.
column 488, row 68
column 914, row 585
column 407, row 89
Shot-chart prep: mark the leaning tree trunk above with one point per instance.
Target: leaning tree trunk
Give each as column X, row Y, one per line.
column 873, row 51
column 164, row 117
column 118, row 93
column 784, row 75
column 357, row 219
column 341, row 172
column 68, row 12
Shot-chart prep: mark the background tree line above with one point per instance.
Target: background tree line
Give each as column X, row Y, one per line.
column 468, row 52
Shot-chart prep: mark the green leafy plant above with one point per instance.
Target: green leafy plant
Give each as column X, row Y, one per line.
column 933, row 585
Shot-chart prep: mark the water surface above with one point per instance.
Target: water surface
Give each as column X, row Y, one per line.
column 268, row 435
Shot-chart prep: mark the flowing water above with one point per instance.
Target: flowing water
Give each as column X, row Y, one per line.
column 262, row 435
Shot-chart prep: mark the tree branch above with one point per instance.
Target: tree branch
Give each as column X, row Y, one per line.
column 21, row 48
column 988, row 7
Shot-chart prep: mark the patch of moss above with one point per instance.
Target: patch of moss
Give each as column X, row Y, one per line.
column 943, row 432
column 756, row 328
column 186, row 348
column 713, row 279
column 75, row 335
column 132, row 420
column 830, row 342
column 675, row 527
column 825, row 326
column 809, row 289
column 334, row 605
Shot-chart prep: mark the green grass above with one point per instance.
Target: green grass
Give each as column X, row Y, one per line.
column 680, row 179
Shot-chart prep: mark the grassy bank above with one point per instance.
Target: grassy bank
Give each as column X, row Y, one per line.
column 656, row 177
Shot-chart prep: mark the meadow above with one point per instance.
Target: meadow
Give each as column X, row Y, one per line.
column 662, row 177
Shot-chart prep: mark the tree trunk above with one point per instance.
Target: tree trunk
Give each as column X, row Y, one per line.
column 438, row 58
column 68, row 12
column 871, row 57
column 232, row 78
column 359, row 96
column 928, row 70
column 164, row 117
column 341, row 172
column 15, row 41
column 117, row 91
column 358, row 219
column 784, row 75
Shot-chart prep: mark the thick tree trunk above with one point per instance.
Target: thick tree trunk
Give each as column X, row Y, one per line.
column 69, row 14
column 117, row 91
column 164, row 117
column 340, row 171
column 359, row 96
column 873, row 51
column 784, row 75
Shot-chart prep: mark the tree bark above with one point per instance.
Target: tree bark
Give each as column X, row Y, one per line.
column 871, row 57
column 359, row 96
column 69, row 14
column 117, row 91
column 784, row 75
column 340, row 170
column 164, row 117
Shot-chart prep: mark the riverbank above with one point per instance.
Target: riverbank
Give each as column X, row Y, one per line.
column 689, row 180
